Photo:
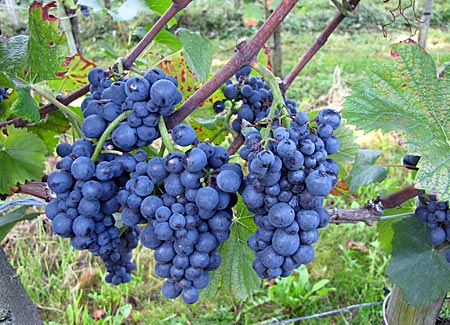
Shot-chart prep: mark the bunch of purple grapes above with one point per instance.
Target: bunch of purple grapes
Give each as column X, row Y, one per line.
column 285, row 189
column 436, row 215
column 145, row 97
column 186, row 199
column 86, row 200
column 251, row 98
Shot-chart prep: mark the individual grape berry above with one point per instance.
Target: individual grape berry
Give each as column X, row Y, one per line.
column 281, row 215
column 329, row 116
column 410, row 161
column 183, row 135
column 95, row 75
column 124, row 137
column 93, row 126
column 60, row 181
column 230, row 91
column 229, row 181
column 137, row 88
column 219, row 106
column 164, row 93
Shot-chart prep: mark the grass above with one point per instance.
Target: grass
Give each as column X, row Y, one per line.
column 67, row 286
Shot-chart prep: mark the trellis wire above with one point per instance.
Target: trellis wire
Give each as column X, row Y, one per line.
column 395, row 216
column 385, row 302
column 26, row 201
column 327, row 313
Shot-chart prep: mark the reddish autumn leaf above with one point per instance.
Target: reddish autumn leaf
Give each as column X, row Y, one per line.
column 74, row 73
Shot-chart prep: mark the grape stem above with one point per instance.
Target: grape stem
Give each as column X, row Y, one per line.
column 74, row 119
column 226, row 126
column 106, row 134
column 278, row 100
column 165, row 136
column 236, row 144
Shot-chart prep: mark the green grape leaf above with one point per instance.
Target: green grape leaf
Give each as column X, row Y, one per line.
column 209, row 130
column 206, row 123
column 169, row 40
column 409, row 96
column 198, row 51
column 365, row 171
column 384, row 227
column 6, row 103
column 46, row 45
column 348, row 149
column 418, row 268
column 13, row 55
column 5, row 81
column 22, row 157
column 160, row 7
column 25, row 106
column 8, row 220
column 75, row 73
column 50, row 129
column 236, row 276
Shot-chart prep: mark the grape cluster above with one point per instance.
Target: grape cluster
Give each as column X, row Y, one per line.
column 186, row 200
column 86, row 198
column 436, row 215
column 3, row 93
column 254, row 97
column 118, row 260
column 187, row 224
column 146, row 98
column 285, row 189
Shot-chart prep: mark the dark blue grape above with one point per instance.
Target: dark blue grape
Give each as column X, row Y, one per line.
column 93, row 126
column 137, row 88
column 60, row 181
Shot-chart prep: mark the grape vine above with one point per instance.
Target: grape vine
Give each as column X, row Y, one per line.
column 136, row 170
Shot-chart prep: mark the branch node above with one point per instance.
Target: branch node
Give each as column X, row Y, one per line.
column 240, row 44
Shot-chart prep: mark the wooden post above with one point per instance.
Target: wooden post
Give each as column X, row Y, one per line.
column 275, row 52
column 399, row 312
column 425, row 25
column 15, row 304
